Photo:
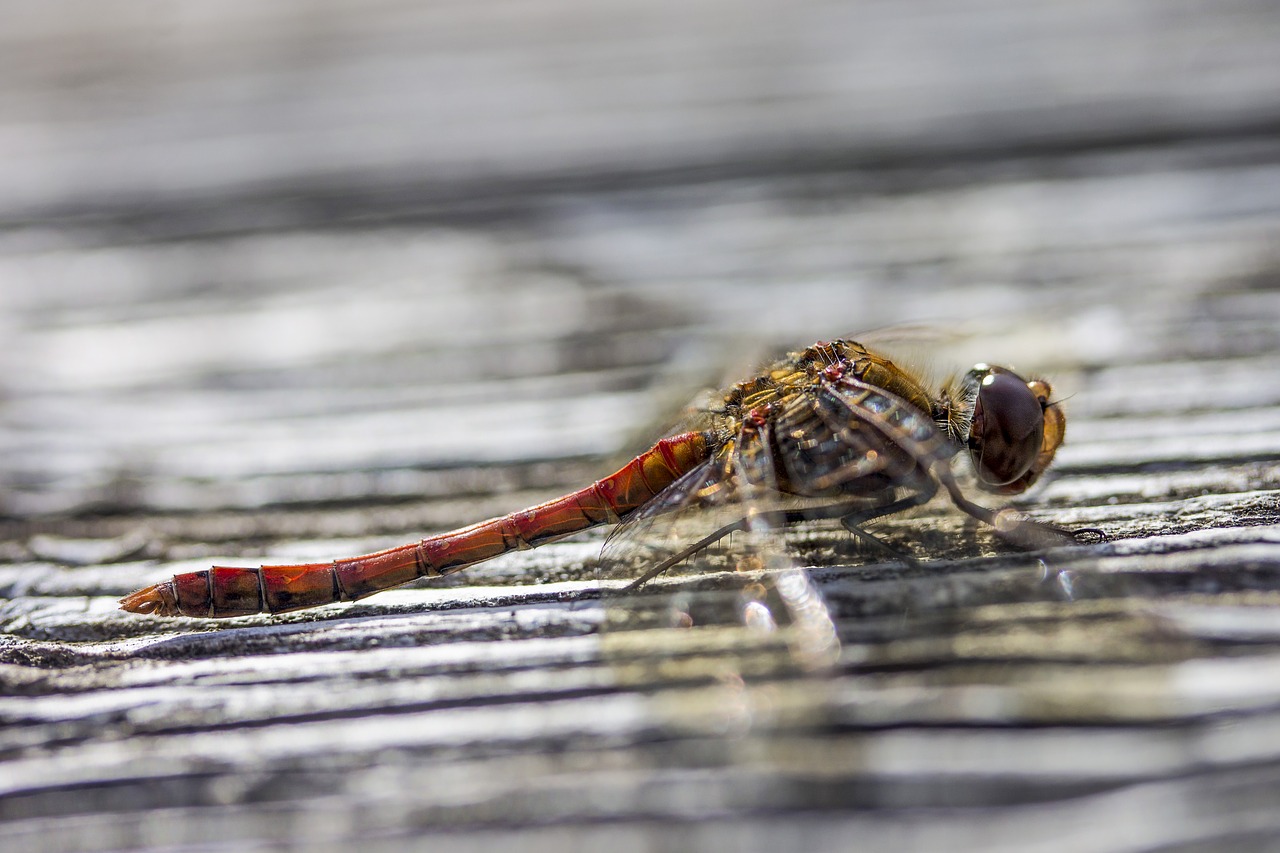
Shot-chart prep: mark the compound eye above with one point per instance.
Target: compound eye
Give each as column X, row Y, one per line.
column 1008, row 425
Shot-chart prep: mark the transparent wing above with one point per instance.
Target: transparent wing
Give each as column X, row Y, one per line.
column 698, row 586
column 708, row 550
column 707, row 554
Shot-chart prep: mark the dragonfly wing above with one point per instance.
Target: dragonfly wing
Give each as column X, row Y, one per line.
column 834, row 448
column 690, row 510
column 751, row 585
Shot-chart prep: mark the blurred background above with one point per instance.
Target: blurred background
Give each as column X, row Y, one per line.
column 423, row 221
column 287, row 280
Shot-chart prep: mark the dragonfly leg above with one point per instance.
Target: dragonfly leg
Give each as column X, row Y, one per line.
column 1018, row 530
column 779, row 518
column 853, row 522
column 709, row 539
column 862, row 516
column 892, row 551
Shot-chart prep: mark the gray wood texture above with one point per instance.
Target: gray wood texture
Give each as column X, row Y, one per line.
column 289, row 282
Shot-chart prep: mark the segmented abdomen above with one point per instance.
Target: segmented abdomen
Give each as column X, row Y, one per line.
column 224, row 591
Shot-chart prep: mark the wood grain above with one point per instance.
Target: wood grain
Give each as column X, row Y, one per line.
column 240, row 326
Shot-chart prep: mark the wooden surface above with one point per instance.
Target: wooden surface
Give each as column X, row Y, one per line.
column 288, row 284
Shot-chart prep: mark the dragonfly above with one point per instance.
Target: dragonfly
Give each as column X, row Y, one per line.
column 834, row 431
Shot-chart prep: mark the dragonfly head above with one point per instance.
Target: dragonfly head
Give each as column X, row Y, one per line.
column 1015, row 430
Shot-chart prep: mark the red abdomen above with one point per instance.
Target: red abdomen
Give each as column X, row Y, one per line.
column 224, row 591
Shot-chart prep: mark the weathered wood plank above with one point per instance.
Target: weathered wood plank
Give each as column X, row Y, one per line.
column 303, row 382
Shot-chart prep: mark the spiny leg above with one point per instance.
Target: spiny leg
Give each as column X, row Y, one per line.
column 684, row 554
column 1013, row 527
column 777, row 517
column 1007, row 524
column 853, row 521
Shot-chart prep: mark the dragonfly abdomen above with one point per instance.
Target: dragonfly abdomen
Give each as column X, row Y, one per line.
column 226, row 591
